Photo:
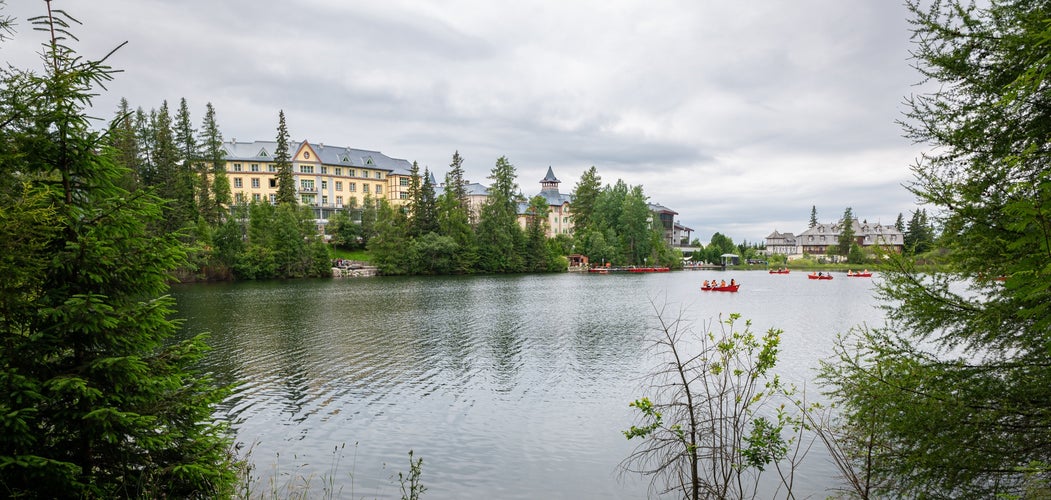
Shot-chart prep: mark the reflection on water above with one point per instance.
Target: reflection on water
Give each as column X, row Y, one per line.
column 506, row 386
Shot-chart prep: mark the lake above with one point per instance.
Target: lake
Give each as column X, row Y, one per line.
column 506, row 386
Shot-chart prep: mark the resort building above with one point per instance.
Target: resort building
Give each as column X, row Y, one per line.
column 818, row 239
column 559, row 217
column 327, row 178
column 666, row 218
column 782, row 243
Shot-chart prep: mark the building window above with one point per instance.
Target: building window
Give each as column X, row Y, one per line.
column 237, row 167
column 255, row 182
column 271, row 168
column 324, row 184
column 306, row 169
column 273, row 182
column 238, row 183
column 324, row 169
column 351, row 173
column 365, row 188
column 339, row 201
column 273, row 198
column 379, row 175
column 352, row 187
column 255, row 167
column 339, row 170
column 306, row 184
column 379, row 188
column 324, row 200
column 403, row 182
column 339, row 185
column 240, row 198
column 256, row 197
column 403, row 195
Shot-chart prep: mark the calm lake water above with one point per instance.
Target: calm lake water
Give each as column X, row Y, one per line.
column 507, row 386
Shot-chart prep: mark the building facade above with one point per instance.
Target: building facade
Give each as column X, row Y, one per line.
column 560, row 215
column 818, row 239
column 782, row 243
column 327, row 178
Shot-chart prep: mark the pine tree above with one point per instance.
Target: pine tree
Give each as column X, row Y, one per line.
column 454, row 181
column 846, row 233
column 98, row 401
column 215, row 158
column 286, row 188
column 951, row 398
column 123, row 139
column 188, row 171
column 499, row 236
column 585, row 194
column 813, row 216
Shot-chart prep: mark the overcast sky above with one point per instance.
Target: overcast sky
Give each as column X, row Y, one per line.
column 739, row 116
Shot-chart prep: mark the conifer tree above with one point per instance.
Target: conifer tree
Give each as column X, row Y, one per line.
column 950, row 399
column 499, row 236
column 813, row 216
column 585, row 194
column 123, row 139
column 286, row 188
column 846, row 233
column 98, row 401
column 215, row 160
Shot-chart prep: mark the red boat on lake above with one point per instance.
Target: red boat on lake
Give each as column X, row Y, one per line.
column 725, row 288
column 779, row 271
column 819, row 276
column 860, row 274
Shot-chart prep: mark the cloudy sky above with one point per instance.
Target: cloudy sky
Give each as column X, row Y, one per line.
column 740, row 116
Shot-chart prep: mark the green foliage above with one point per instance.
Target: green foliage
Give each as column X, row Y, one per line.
column 500, row 238
column 411, row 486
column 950, row 398
column 286, row 184
column 709, row 431
column 97, row 400
column 846, row 233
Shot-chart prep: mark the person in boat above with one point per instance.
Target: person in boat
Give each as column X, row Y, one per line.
column 732, row 282
column 722, row 283
column 705, row 285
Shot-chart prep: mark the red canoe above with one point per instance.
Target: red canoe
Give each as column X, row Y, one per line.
column 865, row 274
column 727, row 288
column 779, row 271
column 822, row 277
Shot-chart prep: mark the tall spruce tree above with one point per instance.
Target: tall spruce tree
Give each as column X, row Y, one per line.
column 188, row 172
column 123, row 139
column 951, row 399
column 215, row 160
column 98, row 401
column 813, row 216
column 585, row 194
column 846, row 233
column 500, row 239
column 286, row 183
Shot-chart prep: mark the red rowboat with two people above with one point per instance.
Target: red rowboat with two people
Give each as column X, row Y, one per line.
column 860, row 274
column 721, row 286
column 819, row 276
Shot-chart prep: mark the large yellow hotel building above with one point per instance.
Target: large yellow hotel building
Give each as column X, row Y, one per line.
column 328, row 178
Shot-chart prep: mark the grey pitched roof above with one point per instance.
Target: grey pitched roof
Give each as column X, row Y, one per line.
column 327, row 155
column 860, row 229
column 550, row 177
column 654, row 207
